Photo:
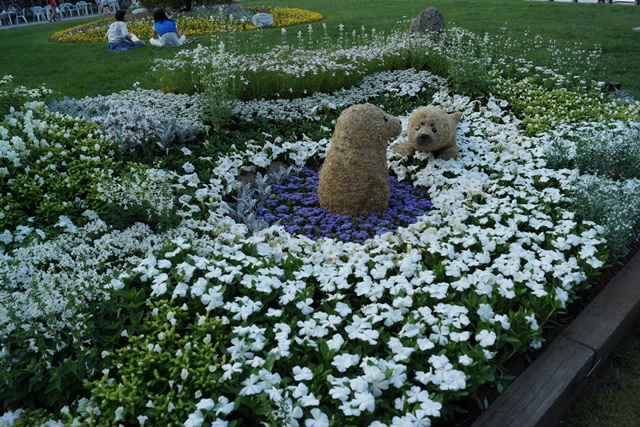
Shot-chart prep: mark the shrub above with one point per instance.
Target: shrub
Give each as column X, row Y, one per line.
column 51, row 163
column 607, row 160
column 14, row 96
column 141, row 123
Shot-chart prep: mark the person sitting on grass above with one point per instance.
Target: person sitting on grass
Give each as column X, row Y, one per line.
column 118, row 34
column 165, row 31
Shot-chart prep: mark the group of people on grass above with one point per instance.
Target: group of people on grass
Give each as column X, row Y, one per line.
column 165, row 33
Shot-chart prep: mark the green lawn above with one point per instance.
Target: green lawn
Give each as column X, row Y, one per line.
column 612, row 397
column 89, row 69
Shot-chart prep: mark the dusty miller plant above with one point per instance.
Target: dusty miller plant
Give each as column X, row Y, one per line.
column 252, row 196
column 136, row 129
column 605, row 190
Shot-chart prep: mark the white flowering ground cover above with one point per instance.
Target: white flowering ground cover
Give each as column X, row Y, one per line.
column 199, row 322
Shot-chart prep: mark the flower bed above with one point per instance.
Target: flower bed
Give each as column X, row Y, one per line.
column 140, row 288
column 211, row 325
column 191, row 24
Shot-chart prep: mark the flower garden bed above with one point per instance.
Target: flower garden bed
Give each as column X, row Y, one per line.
column 135, row 294
column 196, row 23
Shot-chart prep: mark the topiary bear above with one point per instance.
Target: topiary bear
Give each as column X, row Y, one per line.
column 354, row 178
column 431, row 129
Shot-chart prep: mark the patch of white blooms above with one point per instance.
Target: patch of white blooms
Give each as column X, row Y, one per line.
column 47, row 285
column 398, row 83
column 300, row 61
column 405, row 319
column 150, row 188
column 13, row 147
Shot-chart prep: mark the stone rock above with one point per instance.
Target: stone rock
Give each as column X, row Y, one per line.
column 354, row 178
column 428, row 20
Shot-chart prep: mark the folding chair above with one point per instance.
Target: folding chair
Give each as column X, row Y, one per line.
column 20, row 15
column 38, row 13
column 82, row 7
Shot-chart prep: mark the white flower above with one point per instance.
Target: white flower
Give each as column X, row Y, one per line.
column 453, row 380
column 320, row 419
column 485, row 311
column 341, row 393
column 205, row 404
column 302, row 374
column 305, row 306
column 299, row 391
column 336, row 342
column 486, row 338
column 364, row 402
column 465, row 360
column 342, row 362
column 252, row 385
column 440, row 334
column 188, row 167
column 532, row 321
column 504, row 321
column 195, row 419
column 309, row 400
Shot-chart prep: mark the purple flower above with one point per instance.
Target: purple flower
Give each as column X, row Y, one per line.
column 294, row 204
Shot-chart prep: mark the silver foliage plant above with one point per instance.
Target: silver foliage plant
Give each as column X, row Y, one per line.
column 606, row 181
column 139, row 118
column 252, row 196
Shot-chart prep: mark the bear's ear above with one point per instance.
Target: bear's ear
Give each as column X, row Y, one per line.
column 457, row 116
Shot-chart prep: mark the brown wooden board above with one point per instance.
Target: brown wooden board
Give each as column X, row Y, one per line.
column 542, row 393
column 538, row 395
column 608, row 318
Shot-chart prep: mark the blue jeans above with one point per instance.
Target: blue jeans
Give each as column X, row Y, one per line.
column 124, row 45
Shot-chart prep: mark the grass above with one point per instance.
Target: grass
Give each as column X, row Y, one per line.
column 78, row 70
column 612, row 398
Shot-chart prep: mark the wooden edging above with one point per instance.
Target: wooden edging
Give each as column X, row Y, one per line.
column 541, row 395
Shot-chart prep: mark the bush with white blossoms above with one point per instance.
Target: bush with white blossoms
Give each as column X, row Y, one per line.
column 200, row 322
column 298, row 67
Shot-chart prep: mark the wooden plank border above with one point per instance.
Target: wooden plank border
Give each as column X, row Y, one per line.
column 541, row 395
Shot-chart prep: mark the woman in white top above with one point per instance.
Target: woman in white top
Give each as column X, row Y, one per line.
column 118, row 34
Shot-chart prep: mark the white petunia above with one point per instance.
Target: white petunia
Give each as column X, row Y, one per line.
column 320, row 419
column 486, row 338
column 302, row 374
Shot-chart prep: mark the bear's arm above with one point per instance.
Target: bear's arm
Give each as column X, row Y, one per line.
column 405, row 149
column 449, row 153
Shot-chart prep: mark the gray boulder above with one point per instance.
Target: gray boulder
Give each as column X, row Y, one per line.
column 429, row 20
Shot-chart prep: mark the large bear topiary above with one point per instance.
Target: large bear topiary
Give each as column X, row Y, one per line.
column 354, row 178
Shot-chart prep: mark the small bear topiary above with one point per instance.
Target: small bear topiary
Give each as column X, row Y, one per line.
column 431, row 129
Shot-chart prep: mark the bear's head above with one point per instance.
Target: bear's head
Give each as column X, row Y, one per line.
column 432, row 129
column 365, row 126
